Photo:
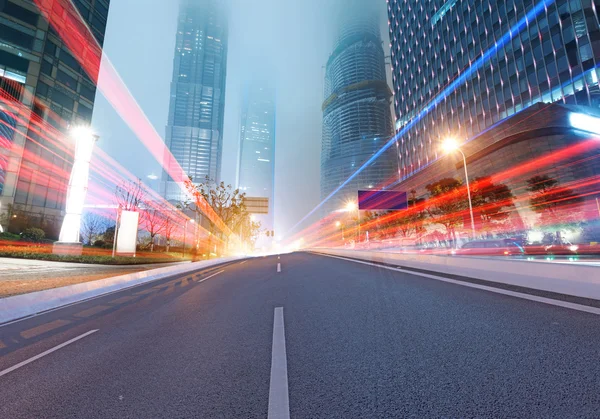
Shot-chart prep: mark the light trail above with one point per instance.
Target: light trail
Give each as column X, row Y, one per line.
column 65, row 19
column 468, row 73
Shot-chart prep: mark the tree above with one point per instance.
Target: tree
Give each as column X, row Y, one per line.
column 448, row 204
column 225, row 201
column 412, row 220
column 152, row 220
column 492, row 202
column 554, row 204
column 109, row 235
column 170, row 224
column 91, row 226
column 130, row 195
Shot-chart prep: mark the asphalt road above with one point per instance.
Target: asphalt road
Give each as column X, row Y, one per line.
column 361, row 342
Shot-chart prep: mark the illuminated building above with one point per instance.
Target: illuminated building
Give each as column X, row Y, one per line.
column 357, row 120
column 39, row 75
column 500, row 76
column 550, row 57
column 257, row 147
column 194, row 132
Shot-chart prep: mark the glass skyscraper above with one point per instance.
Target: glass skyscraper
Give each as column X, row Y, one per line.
column 40, row 80
column 535, row 51
column 194, row 132
column 257, row 147
column 357, row 119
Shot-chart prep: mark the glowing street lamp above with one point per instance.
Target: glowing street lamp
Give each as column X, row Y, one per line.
column 68, row 242
column 189, row 220
column 449, row 146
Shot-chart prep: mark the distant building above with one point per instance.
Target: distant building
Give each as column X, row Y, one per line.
column 357, row 119
column 194, row 132
column 257, row 147
column 40, row 80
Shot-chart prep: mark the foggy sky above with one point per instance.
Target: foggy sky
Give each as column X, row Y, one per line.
column 286, row 42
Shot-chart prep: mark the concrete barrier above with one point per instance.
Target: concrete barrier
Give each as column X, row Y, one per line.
column 562, row 278
column 24, row 305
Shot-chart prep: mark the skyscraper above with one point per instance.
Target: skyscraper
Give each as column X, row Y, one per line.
column 41, row 82
column 357, row 119
column 194, row 132
column 257, row 147
column 552, row 55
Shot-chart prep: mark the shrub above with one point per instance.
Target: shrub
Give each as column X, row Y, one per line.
column 34, row 234
column 99, row 243
column 9, row 236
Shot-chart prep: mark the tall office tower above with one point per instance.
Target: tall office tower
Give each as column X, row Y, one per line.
column 357, row 120
column 257, row 147
column 547, row 52
column 40, row 83
column 195, row 126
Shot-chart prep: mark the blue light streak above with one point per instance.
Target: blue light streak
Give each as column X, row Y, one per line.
column 512, row 32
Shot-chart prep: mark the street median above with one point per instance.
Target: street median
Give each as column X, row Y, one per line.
column 25, row 305
column 569, row 279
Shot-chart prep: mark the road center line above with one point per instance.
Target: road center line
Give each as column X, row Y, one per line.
column 208, row 277
column 279, row 267
column 279, row 403
column 242, row 262
column 544, row 300
column 49, row 351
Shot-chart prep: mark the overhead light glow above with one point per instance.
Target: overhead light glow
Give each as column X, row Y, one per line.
column 585, row 122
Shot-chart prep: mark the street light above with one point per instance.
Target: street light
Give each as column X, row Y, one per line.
column 68, row 242
column 189, row 220
column 338, row 224
column 352, row 206
column 448, row 146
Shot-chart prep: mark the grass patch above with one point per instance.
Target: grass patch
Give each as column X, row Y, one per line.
column 92, row 259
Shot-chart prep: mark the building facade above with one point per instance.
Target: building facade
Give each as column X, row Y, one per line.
column 505, row 79
column 357, row 120
column 194, row 134
column 256, row 175
column 534, row 51
column 41, row 85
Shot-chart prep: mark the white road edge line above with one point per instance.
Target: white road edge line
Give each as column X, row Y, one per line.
column 242, row 262
column 279, row 267
column 49, row 351
column 208, row 277
column 544, row 300
column 279, row 402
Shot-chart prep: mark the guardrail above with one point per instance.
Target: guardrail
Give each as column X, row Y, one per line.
column 562, row 278
column 25, row 305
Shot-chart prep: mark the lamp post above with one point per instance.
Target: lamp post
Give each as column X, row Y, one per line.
column 68, row 242
column 338, row 224
column 450, row 145
column 351, row 207
column 189, row 220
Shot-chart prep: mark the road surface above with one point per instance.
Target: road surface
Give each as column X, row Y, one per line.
column 321, row 338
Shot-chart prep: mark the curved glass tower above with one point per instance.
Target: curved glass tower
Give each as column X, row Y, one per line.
column 357, row 120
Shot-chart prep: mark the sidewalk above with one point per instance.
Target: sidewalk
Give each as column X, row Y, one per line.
column 19, row 276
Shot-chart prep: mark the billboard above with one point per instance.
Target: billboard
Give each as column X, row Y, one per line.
column 128, row 229
column 256, row 205
column 372, row 200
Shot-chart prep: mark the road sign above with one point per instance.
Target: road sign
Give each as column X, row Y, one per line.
column 372, row 200
column 256, row 205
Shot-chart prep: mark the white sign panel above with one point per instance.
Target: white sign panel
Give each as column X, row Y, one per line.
column 128, row 229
